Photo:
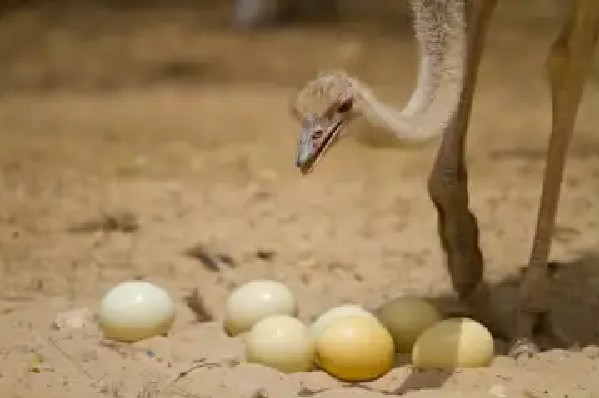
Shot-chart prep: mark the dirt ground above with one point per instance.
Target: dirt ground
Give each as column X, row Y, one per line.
column 187, row 131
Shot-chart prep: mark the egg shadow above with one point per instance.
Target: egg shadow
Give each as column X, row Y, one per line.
column 573, row 310
column 419, row 379
column 573, row 307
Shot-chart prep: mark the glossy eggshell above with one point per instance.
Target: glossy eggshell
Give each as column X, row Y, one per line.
column 406, row 318
column 254, row 301
column 280, row 342
column 454, row 343
column 355, row 348
column 329, row 316
column 135, row 310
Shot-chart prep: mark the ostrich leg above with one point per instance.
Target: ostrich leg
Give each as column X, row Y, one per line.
column 447, row 183
column 569, row 62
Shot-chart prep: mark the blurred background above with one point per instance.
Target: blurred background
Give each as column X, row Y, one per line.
column 110, row 44
column 175, row 113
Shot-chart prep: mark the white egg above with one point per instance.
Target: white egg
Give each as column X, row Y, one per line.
column 256, row 300
column 454, row 343
column 280, row 342
column 332, row 314
column 405, row 318
column 136, row 310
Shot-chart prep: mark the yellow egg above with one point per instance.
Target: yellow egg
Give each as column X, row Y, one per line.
column 454, row 343
column 280, row 342
column 355, row 348
column 406, row 318
column 329, row 316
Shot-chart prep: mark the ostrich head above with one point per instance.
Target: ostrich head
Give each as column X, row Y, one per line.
column 321, row 130
column 441, row 35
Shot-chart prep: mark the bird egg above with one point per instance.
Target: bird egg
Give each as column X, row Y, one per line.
column 135, row 310
column 255, row 300
column 344, row 310
column 281, row 342
column 355, row 348
column 454, row 343
column 406, row 318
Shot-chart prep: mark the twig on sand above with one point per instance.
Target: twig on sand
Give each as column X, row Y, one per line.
column 201, row 364
column 58, row 348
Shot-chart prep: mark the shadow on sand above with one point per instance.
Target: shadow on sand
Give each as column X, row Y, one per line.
column 574, row 310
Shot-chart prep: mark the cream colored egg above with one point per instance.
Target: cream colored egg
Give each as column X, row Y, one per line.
column 344, row 310
column 136, row 310
column 355, row 348
column 454, row 343
column 255, row 300
column 280, row 342
column 406, row 318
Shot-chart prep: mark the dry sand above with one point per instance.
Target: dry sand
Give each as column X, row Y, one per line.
column 210, row 166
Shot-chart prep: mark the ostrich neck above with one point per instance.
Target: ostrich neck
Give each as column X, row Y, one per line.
column 440, row 28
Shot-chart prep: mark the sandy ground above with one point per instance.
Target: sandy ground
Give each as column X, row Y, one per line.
column 208, row 161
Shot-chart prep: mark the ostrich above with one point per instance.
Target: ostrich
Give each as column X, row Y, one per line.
column 450, row 35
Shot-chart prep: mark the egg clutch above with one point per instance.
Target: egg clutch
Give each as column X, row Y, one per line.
column 347, row 341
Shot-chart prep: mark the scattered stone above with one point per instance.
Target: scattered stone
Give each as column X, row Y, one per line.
column 123, row 221
column 199, row 252
column 226, row 259
column 591, row 351
column 265, row 254
column 73, row 319
column 196, row 304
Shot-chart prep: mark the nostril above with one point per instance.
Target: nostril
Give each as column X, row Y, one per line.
column 301, row 159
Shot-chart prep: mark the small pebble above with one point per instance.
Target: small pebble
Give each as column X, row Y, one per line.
column 73, row 319
column 591, row 351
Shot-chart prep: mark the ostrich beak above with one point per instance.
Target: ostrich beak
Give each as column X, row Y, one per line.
column 320, row 131
column 314, row 143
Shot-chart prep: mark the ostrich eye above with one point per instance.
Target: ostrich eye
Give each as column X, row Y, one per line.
column 316, row 134
column 345, row 106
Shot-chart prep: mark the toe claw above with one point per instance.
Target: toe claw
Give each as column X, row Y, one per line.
column 523, row 348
